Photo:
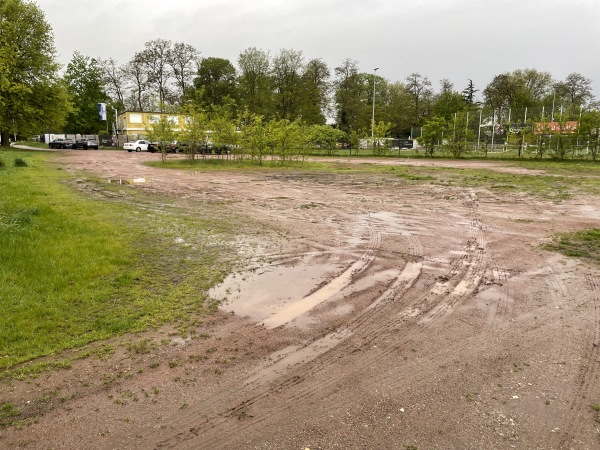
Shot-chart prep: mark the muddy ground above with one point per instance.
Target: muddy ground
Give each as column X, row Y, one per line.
column 377, row 314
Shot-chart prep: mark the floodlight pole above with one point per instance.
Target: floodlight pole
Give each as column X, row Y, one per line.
column 373, row 116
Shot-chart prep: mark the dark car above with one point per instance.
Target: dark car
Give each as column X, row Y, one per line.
column 178, row 146
column 154, row 147
column 86, row 143
column 62, row 143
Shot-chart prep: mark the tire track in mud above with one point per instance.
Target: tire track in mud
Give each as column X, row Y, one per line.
column 225, row 423
column 387, row 325
column 274, row 398
column 333, row 287
column 230, row 396
column 290, row 390
column 580, row 408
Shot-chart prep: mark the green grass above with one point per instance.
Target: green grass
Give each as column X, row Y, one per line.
column 7, row 413
column 77, row 269
column 580, row 244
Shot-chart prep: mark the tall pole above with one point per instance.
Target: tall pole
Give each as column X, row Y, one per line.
column 493, row 127
column 479, row 131
column 373, row 116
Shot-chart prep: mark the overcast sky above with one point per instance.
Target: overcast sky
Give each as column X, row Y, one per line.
column 454, row 39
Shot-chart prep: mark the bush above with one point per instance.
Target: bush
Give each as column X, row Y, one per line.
column 20, row 162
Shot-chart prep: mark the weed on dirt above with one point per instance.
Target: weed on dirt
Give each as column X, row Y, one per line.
column 580, row 244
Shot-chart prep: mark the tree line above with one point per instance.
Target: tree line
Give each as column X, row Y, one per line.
column 171, row 76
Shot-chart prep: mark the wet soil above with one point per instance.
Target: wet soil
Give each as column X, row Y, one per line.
column 375, row 314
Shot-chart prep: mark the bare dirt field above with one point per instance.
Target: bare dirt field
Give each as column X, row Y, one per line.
column 377, row 314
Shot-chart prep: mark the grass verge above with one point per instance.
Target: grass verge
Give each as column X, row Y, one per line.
column 87, row 263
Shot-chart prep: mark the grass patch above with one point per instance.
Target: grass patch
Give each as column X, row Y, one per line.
column 8, row 412
column 581, row 244
column 77, row 269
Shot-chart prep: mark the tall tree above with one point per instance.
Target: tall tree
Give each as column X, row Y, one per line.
column 519, row 89
column 136, row 73
column 448, row 101
column 156, row 58
column 314, row 102
column 217, row 77
column 420, row 90
column 468, row 93
column 578, row 89
column 183, row 59
column 352, row 93
column 255, row 82
column 115, row 81
column 83, row 78
column 287, row 68
column 32, row 97
column 399, row 109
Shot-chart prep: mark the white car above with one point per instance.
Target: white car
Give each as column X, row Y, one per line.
column 138, row 146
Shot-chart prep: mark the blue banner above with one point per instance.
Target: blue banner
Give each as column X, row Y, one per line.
column 102, row 111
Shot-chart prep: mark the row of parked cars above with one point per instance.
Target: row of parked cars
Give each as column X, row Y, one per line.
column 174, row 147
column 70, row 143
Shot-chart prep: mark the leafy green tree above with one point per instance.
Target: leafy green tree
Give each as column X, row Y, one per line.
column 381, row 130
column 255, row 83
column 589, row 130
column 223, row 126
column 162, row 132
column 460, row 135
column 256, row 136
column 578, row 89
column 432, row 134
column 218, row 78
column 398, row 109
column 448, row 101
column 421, row 94
column 354, row 137
column 286, row 73
column 326, row 137
column 32, row 97
column 83, row 79
column 195, row 129
column 314, row 100
column 287, row 139
column 353, row 92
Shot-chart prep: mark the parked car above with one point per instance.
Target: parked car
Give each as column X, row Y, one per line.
column 221, row 149
column 86, row 143
column 178, row 146
column 206, row 148
column 62, row 143
column 154, row 147
column 138, row 146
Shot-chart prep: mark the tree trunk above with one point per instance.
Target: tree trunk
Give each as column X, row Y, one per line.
column 5, row 138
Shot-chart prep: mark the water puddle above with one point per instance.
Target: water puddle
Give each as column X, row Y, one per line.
column 266, row 291
column 297, row 308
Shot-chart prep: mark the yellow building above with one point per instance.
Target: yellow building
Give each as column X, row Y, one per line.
column 134, row 124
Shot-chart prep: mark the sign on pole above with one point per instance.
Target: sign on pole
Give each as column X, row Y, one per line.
column 102, row 111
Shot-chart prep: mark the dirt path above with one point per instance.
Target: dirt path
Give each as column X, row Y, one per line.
column 379, row 315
